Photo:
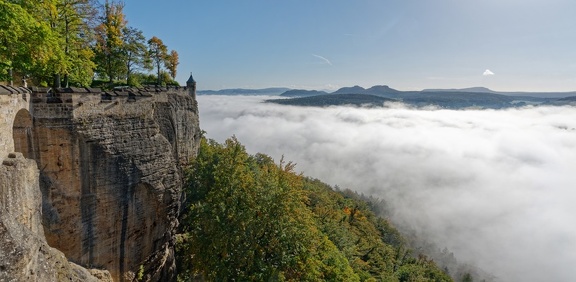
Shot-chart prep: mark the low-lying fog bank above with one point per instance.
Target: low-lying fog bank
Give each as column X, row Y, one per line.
column 496, row 187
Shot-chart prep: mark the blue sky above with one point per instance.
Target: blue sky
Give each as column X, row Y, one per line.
column 527, row 45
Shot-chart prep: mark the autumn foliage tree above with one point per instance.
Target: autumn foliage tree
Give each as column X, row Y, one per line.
column 172, row 62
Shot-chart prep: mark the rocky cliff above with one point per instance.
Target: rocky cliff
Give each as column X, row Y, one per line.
column 24, row 253
column 110, row 175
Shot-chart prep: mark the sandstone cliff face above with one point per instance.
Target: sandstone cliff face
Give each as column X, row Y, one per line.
column 110, row 173
column 24, row 253
column 112, row 180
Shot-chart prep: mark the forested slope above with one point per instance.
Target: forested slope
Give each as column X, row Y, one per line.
column 251, row 219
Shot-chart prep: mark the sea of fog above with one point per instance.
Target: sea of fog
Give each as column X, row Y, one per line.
column 496, row 187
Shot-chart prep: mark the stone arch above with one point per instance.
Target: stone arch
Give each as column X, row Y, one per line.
column 23, row 134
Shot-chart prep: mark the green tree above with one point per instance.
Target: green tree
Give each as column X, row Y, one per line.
column 251, row 219
column 72, row 23
column 158, row 54
column 25, row 43
column 467, row 277
column 46, row 13
column 135, row 53
column 109, row 48
column 248, row 221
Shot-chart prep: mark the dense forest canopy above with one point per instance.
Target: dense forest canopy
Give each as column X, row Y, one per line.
column 250, row 219
column 78, row 43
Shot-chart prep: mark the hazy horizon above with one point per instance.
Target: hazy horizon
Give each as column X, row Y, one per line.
column 493, row 186
column 384, row 84
column 506, row 45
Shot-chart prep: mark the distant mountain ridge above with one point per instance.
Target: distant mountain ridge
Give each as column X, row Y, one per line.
column 469, row 89
column 242, row 91
column 507, row 93
column 334, row 100
column 302, row 93
column 473, row 97
column 350, row 90
column 377, row 89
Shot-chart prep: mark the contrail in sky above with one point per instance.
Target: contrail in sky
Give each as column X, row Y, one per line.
column 322, row 58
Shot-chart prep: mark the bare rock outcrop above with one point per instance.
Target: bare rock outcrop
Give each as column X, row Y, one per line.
column 112, row 181
column 24, row 253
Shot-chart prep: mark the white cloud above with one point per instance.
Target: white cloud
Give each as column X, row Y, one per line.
column 323, row 59
column 488, row 73
column 494, row 186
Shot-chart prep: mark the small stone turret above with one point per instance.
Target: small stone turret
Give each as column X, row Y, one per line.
column 191, row 84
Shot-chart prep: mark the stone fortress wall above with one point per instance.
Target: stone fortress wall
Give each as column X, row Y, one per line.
column 109, row 167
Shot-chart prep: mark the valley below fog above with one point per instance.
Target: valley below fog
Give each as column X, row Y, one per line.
column 496, row 187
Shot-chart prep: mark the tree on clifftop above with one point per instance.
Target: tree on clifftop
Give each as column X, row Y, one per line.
column 66, row 42
column 72, row 23
column 110, row 42
column 135, row 52
column 158, row 53
column 25, row 43
column 172, row 63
